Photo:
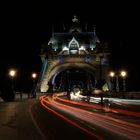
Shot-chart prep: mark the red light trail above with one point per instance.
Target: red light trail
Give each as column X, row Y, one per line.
column 91, row 121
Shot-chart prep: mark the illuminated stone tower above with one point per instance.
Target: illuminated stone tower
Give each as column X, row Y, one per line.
column 74, row 56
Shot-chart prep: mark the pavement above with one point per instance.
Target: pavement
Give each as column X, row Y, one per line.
column 16, row 121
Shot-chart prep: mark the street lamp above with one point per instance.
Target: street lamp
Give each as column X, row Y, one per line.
column 112, row 75
column 12, row 73
column 34, row 76
column 124, row 74
column 101, row 56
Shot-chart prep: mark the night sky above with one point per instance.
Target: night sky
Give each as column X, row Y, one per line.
column 25, row 26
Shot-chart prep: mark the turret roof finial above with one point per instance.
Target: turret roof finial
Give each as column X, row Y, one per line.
column 74, row 19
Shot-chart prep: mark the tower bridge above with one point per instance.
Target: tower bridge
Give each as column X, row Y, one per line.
column 71, row 57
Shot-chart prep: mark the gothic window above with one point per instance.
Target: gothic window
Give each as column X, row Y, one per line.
column 73, row 46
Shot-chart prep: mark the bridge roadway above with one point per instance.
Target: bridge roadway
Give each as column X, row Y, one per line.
column 26, row 119
column 94, row 120
column 16, row 121
column 56, row 118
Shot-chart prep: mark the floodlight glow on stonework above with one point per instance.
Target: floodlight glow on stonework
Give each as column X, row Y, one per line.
column 65, row 49
column 82, row 48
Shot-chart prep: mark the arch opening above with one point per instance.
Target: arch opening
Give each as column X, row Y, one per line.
column 66, row 79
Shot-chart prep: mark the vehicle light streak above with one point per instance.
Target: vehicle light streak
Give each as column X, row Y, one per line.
column 105, row 117
column 68, row 120
column 137, row 114
column 102, row 116
column 116, row 126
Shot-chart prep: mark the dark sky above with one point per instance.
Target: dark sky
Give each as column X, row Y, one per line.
column 25, row 26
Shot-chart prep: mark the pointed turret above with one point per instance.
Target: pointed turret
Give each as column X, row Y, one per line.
column 95, row 38
column 75, row 25
column 53, row 41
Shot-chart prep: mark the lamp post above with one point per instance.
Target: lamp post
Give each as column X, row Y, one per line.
column 12, row 74
column 112, row 75
column 34, row 76
column 100, row 76
column 124, row 74
column 117, row 83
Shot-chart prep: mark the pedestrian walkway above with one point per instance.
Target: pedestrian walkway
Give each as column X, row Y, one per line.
column 16, row 122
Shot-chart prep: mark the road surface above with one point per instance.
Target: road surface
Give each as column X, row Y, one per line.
column 16, row 122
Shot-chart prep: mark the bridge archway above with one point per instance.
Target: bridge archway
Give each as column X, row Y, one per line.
column 75, row 52
column 64, row 76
